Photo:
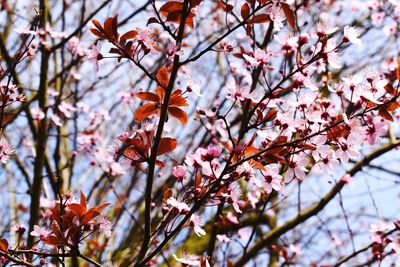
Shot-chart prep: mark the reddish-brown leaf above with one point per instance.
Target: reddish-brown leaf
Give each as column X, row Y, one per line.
column 257, row 165
column 166, row 145
column 115, row 26
column 178, row 100
column 90, row 215
column 98, row 33
column 245, row 11
column 145, row 111
column 77, row 209
column 83, row 200
column 167, row 194
column 390, row 90
column 148, row 96
column 392, row 106
column 386, row 115
column 261, row 18
column 108, row 27
column 56, row 230
column 197, row 181
column 175, row 17
column 128, row 35
column 52, row 240
column 170, row 7
column 160, row 164
column 163, row 77
column 179, row 114
column 101, row 207
column 398, row 69
column 151, row 21
column 271, row 115
column 97, row 24
column 289, row 14
column 3, row 245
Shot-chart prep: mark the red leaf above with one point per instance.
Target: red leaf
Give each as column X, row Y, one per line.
column 257, row 165
column 98, row 33
column 245, row 11
column 390, row 90
column 101, row 207
column 83, row 200
column 398, row 69
column 3, row 245
column 56, row 230
column 52, row 240
column 175, row 17
column 108, row 27
column 386, row 115
column 170, row 7
column 77, row 209
column 90, row 215
column 259, row 19
column 179, row 114
column 289, row 14
column 163, row 77
column 152, row 20
column 148, row 96
column 128, row 35
column 160, row 164
column 97, row 24
column 166, row 145
column 145, row 111
column 271, row 115
column 167, row 194
column 177, row 100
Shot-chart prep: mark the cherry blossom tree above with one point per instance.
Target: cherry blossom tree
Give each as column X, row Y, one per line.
column 199, row 133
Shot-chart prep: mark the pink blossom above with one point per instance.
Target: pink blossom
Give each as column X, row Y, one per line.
column 296, row 168
column 351, row 35
column 19, row 228
column 259, row 59
column 325, row 158
column 116, row 169
column 196, row 223
column 211, row 153
column 380, row 226
column 295, row 249
column 254, row 196
column 188, row 260
column 180, row 207
column 40, row 232
column 346, row 149
column 105, row 226
column 232, row 218
column 374, row 130
column 94, row 55
column 323, row 30
column 75, row 47
column 173, row 50
column 5, row 151
column 56, row 120
column 38, row 114
column 25, row 31
column 179, row 172
column 66, row 109
column 246, row 170
column 272, row 179
column 233, row 197
column 239, row 93
column 195, row 159
column 223, row 238
column 333, row 58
